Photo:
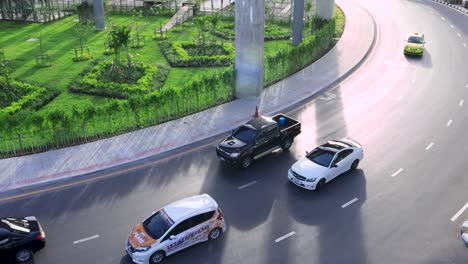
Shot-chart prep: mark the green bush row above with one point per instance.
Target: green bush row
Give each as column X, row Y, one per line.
column 272, row 32
column 90, row 81
column 290, row 60
column 31, row 96
column 176, row 53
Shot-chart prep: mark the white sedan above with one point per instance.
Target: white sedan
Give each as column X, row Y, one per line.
column 325, row 163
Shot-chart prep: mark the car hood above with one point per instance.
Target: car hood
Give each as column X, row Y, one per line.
column 308, row 169
column 139, row 238
column 232, row 143
column 413, row 45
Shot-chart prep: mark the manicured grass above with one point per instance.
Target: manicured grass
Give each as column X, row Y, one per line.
column 184, row 91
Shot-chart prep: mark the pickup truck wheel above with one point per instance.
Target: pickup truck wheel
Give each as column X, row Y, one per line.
column 286, row 144
column 246, row 162
column 23, row 255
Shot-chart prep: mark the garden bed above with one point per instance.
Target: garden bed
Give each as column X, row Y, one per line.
column 186, row 54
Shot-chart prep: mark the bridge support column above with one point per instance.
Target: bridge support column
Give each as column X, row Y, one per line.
column 98, row 10
column 298, row 22
column 324, row 8
column 250, row 19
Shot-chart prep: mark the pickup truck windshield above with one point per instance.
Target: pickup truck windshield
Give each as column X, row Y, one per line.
column 245, row 134
column 321, row 157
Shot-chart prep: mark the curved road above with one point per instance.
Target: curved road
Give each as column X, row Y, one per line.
column 408, row 113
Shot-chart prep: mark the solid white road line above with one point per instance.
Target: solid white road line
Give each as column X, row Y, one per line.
column 400, row 170
column 461, row 102
column 459, row 212
column 247, row 185
column 350, row 202
column 430, row 146
column 279, row 239
column 449, row 122
column 85, row 239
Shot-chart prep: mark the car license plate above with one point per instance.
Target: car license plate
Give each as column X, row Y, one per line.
column 295, row 181
column 221, row 158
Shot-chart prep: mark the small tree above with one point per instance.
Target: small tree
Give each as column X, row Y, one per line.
column 201, row 24
column 5, row 68
column 120, row 40
column 138, row 40
column 83, row 30
column 214, row 20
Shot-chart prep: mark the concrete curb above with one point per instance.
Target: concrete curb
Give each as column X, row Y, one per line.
column 161, row 150
column 456, row 7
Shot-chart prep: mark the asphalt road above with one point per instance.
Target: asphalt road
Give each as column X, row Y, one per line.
column 408, row 113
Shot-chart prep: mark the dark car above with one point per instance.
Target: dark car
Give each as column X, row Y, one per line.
column 20, row 238
column 257, row 138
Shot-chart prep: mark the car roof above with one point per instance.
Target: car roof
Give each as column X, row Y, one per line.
column 416, row 34
column 189, row 206
column 260, row 122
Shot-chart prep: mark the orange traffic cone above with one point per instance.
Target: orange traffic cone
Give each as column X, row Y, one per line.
column 256, row 112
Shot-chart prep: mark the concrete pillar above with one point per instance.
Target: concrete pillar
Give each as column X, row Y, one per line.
column 250, row 20
column 324, row 8
column 98, row 10
column 298, row 21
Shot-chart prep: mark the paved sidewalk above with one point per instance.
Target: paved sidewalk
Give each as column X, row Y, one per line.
column 355, row 44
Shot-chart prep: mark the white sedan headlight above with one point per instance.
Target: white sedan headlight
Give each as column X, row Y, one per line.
column 311, row 179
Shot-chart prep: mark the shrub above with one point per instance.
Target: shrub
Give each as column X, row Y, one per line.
column 185, row 54
column 22, row 95
column 96, row 80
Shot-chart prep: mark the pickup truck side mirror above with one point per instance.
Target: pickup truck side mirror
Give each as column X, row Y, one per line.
column 172, row 237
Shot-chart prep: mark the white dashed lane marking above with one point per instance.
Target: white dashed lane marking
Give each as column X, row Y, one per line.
column 449, row 122
column 459, row 35
column 85, row 239
column 400, row 170
column 451, row 25
column 443, row 18
column 350, row 202
column 430, row 146
column 461, row 102
column 464, row 45
column 459, row 213
column 279, row 239
column 246, row 185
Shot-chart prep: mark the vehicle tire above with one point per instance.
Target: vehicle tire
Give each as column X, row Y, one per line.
column 23, row 255
column 246, row 162
column 157, row 257
column 286, row 144
column 354, row 165
column 215, row 233
column 320, row 185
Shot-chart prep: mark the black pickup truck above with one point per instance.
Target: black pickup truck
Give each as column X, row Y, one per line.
column 259, row 137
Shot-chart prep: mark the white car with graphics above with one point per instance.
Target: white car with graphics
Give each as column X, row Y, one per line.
column 325, row 163
column 174, row 227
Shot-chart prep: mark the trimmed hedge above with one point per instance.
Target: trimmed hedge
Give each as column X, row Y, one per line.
column 178, row 54
column 90, row 81
column 288, row 61
column 272, row 32
column 29, row 96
